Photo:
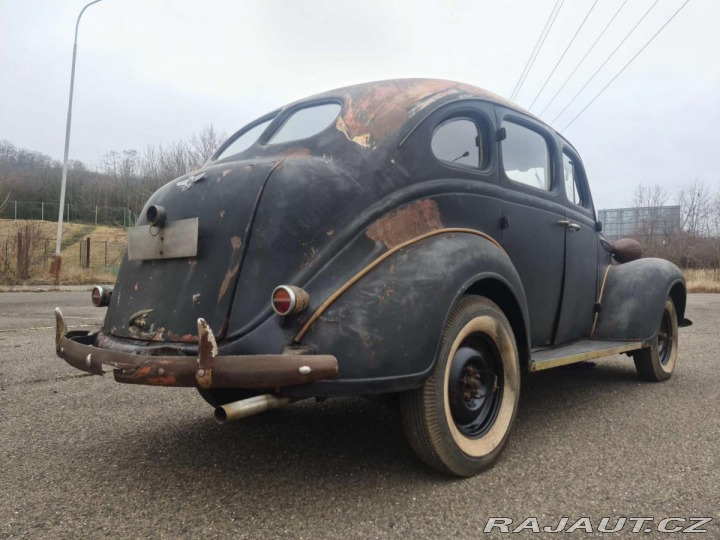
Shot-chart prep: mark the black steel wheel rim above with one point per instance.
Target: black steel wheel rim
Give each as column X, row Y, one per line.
column 475, row 385
column 665, row 339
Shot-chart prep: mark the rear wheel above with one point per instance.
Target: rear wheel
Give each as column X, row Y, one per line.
column 657, row 362
column 459, row 421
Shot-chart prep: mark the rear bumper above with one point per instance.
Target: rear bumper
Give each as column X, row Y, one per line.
column 206, row 370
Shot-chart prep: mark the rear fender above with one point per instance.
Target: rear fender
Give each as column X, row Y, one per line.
column 633, row 299
column 386, row 328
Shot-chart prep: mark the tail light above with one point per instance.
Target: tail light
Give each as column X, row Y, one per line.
column 288, row 300
column 101, row 297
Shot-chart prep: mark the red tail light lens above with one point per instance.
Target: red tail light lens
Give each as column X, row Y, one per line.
column 101, row 297
column 283, row 300
column 287, row 300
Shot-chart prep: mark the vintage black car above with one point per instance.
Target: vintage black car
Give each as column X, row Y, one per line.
column 418, row 238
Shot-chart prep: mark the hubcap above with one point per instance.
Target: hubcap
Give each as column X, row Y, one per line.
column 475, row 386
column 665, row 339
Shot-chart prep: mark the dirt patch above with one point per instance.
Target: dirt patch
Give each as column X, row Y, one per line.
column 703, row 281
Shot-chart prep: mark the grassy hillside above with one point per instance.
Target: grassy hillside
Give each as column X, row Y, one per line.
column 42, row 234
column 116, row 239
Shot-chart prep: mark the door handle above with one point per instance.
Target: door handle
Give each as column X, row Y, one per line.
column 569, row 225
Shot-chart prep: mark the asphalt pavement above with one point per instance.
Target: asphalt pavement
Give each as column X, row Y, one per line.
column 85, row 457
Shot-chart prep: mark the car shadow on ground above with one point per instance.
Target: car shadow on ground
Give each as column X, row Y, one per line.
column 352, row 438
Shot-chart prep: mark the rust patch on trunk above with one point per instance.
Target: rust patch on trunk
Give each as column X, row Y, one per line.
column 408, row 222
column 226, row 281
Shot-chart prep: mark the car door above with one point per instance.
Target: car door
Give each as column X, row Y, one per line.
column 532, row 209
column 581, row 252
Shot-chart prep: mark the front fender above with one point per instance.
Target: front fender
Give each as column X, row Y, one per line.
column 634, row 296
column 386, row 328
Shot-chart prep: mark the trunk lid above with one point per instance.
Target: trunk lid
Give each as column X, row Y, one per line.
column 161, row 299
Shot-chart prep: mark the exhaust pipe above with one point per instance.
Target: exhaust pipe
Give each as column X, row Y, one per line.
column 249, row 407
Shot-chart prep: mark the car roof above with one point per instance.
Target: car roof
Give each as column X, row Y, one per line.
column 375, row 111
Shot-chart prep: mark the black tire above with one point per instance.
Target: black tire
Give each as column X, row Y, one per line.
column 657, row 362
column 222, row 396
column 477, row 369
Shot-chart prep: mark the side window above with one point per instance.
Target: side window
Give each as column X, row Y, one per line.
column 459, row 142
column 525, row 156
column 570, row 173
column 245, row 141
column 306, row 123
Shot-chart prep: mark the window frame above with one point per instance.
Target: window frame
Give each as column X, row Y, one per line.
column 271, row 116
column 482, row 124
column 580, row 179
column 284, row 116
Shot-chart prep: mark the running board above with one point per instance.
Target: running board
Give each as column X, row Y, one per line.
column 579, row 351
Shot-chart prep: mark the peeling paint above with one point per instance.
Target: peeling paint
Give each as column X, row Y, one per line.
column 362, row 139
column 309, row 258
column 185, row 338
column 235, row 242
column 227, row 279
column 408, row 222
column 296, row 151
column 374, row 112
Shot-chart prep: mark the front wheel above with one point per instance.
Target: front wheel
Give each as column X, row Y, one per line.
column 459, row 421
column 657, row 362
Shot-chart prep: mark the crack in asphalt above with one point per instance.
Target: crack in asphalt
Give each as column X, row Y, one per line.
column 5, row 385
column 6, row 330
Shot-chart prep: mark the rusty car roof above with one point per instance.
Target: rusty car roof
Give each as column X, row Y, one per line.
column 375, row 110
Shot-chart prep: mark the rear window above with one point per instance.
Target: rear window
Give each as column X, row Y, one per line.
column 246, row 140
column 306, row 123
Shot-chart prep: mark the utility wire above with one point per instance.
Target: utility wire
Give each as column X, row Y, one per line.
column 626, row 65
column 605, row 62
column 583, row 58
column 563, row 54
column 538, row 45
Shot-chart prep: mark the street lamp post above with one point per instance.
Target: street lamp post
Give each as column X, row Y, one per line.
column 67, row 135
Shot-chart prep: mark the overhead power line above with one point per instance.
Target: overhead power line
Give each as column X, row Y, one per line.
column 583, row 58
column 538, row 45
column 563, row 54
column 605, row 62
column 626, row 65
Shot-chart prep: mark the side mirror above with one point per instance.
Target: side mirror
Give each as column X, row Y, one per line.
column 598, row 226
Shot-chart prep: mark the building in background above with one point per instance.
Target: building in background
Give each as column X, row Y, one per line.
column 655, row 224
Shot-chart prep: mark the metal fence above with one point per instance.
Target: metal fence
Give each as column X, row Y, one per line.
column 99, row 215
column 23, row 255
column 100, row 254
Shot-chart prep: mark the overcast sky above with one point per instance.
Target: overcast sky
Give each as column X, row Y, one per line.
column 150, row 72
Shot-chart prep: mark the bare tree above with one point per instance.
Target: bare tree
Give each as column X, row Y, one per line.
column 203, row 145
column 695, row 202
column 649, row 202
